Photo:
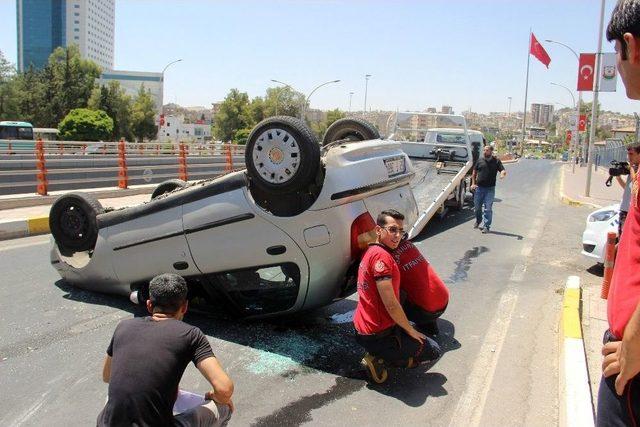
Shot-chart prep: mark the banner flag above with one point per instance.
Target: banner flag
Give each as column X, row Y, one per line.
column 586, row 69
column 536, row 49
column 609, row 74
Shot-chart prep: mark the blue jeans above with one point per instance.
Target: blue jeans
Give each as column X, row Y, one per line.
column 484, row 196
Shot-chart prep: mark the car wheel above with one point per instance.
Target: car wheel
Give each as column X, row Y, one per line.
column 351, row 129
column 167, row 187
column 282, row 155
column 72, row 221
column 462, row 191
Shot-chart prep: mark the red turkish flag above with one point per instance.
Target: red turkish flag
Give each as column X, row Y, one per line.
column 582, row 123
column 538, row 51
column 586, row 71
column 568, row 137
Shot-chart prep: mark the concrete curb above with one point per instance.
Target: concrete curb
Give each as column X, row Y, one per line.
column 24, row 227
column 573, row 202
column 576, row 407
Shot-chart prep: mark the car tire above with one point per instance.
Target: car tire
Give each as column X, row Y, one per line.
column 167, row 187
column 351, row 129
column 72, row 221
column 282, row 155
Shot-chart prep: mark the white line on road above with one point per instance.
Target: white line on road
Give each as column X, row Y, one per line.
column 471, row 404
column 33, row 241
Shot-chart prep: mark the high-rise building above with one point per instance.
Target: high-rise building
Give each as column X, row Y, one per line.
column 542, row 113
column 44, row 25
column 447, row 109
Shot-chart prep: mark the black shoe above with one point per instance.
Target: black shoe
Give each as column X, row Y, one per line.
column 486, row 230
column 476, row 225
column 375, row 368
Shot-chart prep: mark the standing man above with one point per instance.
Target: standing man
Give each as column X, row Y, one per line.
column 147, row 357
column 633, row 154
column 381, row 324
column 618, row 401
column 483, row 181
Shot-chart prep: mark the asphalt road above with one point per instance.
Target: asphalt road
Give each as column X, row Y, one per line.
column 499, row 332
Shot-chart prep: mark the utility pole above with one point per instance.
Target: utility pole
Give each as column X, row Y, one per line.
column 366, row 84
column 594, row 107
column 350, row 98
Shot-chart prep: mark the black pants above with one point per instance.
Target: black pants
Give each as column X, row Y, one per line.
column 622, row 218
column 395, row 347
column 425, row 320
column 614, row 410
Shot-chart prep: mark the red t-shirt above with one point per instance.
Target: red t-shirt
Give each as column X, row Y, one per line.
column 624, row 292
column 421, row 283
column 371, row 315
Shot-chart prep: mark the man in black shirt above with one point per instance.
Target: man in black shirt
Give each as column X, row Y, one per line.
column 483, row 181
column 147, row 357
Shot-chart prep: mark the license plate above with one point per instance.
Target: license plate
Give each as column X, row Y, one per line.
column 395, row 166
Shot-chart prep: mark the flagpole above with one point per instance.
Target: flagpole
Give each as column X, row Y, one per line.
column 526, row 93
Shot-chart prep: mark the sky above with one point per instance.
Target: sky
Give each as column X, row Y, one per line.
column 471, row 55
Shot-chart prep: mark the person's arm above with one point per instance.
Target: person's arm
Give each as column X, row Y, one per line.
column 106, row 369
column 393, row 307
column 621, row 181
column 474, row 176
column 222, row 385
column 503, row 171
column 623, row 357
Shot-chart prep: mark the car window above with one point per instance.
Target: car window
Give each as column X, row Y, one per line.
column 263, row 289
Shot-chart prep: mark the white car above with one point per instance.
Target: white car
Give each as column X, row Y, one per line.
column 599, row 223
column 282, row 236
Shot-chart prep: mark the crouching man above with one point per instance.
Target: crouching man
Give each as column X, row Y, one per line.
column 147, row 357
column 381, row 324
column 427, row 296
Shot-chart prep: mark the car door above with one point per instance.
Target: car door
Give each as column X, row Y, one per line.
column 244, row 257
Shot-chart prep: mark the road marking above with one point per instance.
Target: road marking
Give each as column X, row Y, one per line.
column 526, row 251
column 39, row 240
column 471, row 405
column 517, row 274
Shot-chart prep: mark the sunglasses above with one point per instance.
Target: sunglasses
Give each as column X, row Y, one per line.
column 394, row 230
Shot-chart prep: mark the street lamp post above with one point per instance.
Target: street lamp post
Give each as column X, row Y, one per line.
column 350, row 98
column 575, row 123
column 366, row 86
column 163, row 70
column 576, row 144
column 305, row 100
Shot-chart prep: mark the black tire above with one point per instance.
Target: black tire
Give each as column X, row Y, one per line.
column 167, row 187
column 351, row 129
column 275, row 170
column 462, row 191
column 72, row 221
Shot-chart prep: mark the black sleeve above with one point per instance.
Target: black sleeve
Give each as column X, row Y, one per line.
column 500, row 167
column 110, row 348
column 200, row 345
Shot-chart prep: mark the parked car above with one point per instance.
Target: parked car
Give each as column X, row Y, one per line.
column 599, row 223
column 284, row 235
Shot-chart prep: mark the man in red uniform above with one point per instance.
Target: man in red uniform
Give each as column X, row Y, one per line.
column 427, row 295
column 619, row 392
column 381, row 324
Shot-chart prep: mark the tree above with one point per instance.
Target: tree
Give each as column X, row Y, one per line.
column 241, row 136
column 143, row 116
column 69, row 81
column 8, row 93
column 234, row 114
column 283, row 101
column 319, row 128
column 117, row 104
column 82, row 124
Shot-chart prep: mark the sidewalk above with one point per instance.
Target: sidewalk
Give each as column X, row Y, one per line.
column 33, row 220
column 574, row 185
column 593, row 309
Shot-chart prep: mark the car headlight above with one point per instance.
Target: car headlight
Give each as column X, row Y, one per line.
column 602, row 216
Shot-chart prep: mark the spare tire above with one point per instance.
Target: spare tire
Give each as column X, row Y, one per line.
column 351, row 129
column 282, row 155
column 72, row 221
column 167, row 187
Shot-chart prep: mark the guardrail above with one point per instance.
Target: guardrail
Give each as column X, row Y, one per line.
column 42, row 166
column 613, row 150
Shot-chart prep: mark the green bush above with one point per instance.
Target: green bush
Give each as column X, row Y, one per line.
column 82, row 124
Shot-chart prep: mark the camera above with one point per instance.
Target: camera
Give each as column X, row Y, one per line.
column 617, row 169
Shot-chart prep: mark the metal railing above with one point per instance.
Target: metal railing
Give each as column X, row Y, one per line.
column 42, row 166
column 613, row 150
